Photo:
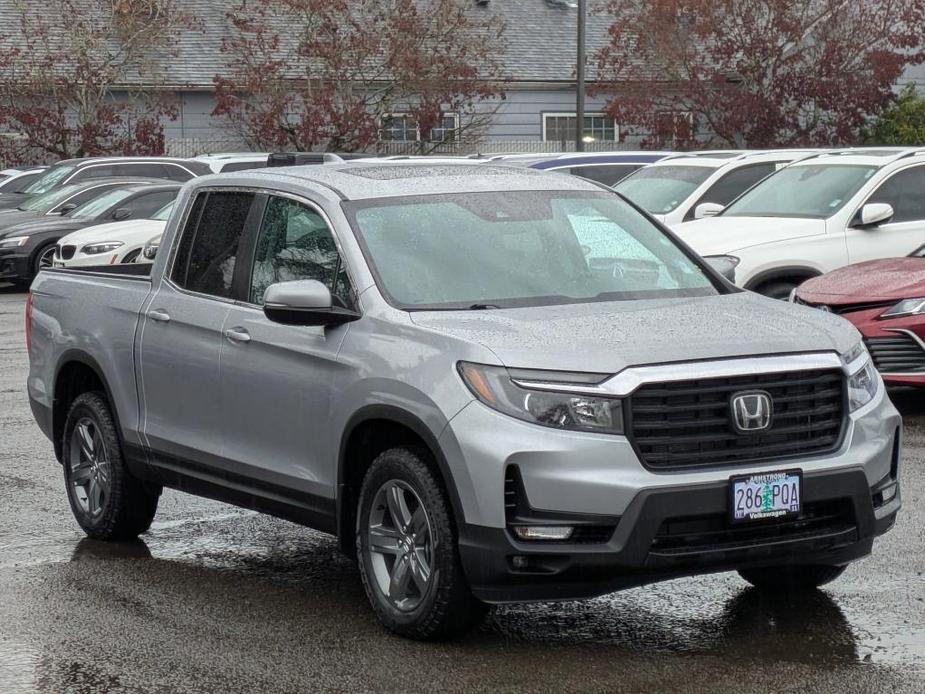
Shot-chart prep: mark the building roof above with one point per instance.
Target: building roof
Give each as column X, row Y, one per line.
column 539, row 42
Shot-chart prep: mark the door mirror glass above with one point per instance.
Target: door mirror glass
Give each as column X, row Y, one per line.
column 121, row 213
column 874, row 213
column 303, row 302
column 707, row 209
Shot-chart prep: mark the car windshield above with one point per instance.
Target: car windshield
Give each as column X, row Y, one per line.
column 519, row 248
column 163, row 214
column 96, row 207
column 808, row 190
column 49, row 200
column 48, row 180
column 660, row 189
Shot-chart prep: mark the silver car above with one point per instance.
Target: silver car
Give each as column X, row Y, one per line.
column 491, row 384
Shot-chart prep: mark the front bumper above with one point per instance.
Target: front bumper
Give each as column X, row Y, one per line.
column 645, row 525
column 15, row 264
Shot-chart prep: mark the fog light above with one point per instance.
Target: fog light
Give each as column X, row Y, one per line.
column 543, row 532
column 887, row 493
column 520, row 562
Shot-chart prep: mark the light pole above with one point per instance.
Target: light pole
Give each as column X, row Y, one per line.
column 580, row 86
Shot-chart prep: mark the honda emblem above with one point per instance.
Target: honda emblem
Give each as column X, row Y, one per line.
column 751, row 411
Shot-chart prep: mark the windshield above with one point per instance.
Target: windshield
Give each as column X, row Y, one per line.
column 96, row 207
column 530, row 248
column 163, row 214
column 51, row 199
column 660, row 189
column 816, row 190
column 48, row 180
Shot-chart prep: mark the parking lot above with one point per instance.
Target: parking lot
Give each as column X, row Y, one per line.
column 216, row 599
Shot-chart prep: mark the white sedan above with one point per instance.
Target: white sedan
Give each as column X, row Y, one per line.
column 110, row 244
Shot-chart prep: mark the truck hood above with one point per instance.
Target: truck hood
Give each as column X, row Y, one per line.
column 874, row 281
column 720, row 235
column 129, row 231
column 608, row 337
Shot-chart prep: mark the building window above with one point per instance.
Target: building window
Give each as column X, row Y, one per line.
column 560, row 127
column 400, row 127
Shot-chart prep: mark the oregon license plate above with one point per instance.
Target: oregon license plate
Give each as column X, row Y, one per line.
column 766, row 495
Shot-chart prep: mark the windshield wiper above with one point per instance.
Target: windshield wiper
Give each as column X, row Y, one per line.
column 482, row 307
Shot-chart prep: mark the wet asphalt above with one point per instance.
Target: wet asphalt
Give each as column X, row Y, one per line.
column 218, row 599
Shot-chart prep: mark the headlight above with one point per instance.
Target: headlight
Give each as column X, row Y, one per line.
column 14, row 242
column 863, row 380
column 97, row 248
column 495, row 386
column 906, row 307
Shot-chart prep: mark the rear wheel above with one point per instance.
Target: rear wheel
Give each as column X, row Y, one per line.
column 792, row 578
column 108, row 503
column 407, row 553
column 777, row 290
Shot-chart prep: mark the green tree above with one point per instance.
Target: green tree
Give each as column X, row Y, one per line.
column 900, row 123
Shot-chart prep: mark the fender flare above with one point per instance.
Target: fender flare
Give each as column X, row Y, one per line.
column 780, row 273
column 415, row 424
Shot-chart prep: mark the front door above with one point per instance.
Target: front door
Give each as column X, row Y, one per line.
column 277, row 380
column 901, row 235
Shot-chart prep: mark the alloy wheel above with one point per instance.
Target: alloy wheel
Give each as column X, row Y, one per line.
column 46, row 259
column 400, row 545
column 91, row 473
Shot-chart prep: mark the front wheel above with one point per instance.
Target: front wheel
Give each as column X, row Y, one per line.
column 44, row 259
column 777, row 290
column 108, row 503
column 407, row 553
column 792, row 578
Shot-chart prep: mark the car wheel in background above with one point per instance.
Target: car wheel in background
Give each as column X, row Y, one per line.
column 108, row 503
column 407, row 552
column 777, row 290
column 131, row 256
column 43, row 259
column 791, row 578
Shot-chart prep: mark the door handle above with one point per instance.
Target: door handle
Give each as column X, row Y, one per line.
column 237, row 335
column 160, row 315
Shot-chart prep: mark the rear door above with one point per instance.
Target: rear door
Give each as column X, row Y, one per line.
column 277, row 379
column 181, row 338
column 905, row 192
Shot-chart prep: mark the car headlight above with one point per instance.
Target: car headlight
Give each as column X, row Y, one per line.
column 97, row 248
column 863, row 379
column 14, row 242
column 906, row 307
column 520, row 394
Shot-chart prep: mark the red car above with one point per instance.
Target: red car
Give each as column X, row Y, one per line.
column 885, row 299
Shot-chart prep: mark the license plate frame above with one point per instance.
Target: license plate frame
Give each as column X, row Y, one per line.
column 786, row 508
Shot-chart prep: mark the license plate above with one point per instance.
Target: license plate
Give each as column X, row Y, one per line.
column 766, row 495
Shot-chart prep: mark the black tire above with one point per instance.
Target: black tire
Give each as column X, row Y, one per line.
column 129, row 504
column 782, row 579
column 777, row 290
column 37, row 258
column 447, row 608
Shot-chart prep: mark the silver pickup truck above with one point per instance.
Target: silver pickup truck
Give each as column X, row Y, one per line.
column 491, row 384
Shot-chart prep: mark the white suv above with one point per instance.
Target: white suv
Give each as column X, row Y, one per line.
column 816, row 215
column 684, row 188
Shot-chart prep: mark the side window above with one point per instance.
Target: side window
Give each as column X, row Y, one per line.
column 176, row 173
column 85, row 196
column 295, row 243
column 609, row 174
column 140, row 170
column 905, row 191
column 144, row 206
column 733, row 184
column 91, row 172
column 209, row 246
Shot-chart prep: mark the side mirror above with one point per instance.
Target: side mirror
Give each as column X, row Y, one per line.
column 724, row 265
column 873, row 214
column 303, row 302
column 708, row 209
column 121, row 213
column 69, row 207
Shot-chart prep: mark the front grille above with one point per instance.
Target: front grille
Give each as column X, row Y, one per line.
column 899, row 353
column 696, row 535
column 682, row 424
column 66, row 252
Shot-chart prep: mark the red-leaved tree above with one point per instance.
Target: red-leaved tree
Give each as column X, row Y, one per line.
column 756, row 73
column 325, row 74
column 66, row 74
